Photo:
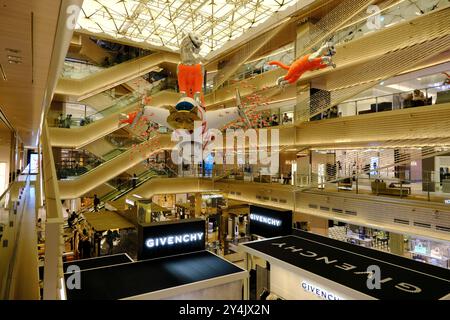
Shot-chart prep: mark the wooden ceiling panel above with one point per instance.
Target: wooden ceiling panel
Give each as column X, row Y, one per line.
column 28, row 28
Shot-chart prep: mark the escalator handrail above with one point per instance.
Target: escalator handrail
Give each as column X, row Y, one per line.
column 106, row 162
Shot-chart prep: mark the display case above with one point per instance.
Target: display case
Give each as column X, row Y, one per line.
column 432, row 252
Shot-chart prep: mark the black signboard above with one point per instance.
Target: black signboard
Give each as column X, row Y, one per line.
column 401, row 278
column 168, row 238
column 270, row 222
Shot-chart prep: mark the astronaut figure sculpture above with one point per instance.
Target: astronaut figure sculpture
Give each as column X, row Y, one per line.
column 320, row 59
column 190, row 70
column 190, row 107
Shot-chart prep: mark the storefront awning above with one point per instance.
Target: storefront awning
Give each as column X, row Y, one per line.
column 106, row 220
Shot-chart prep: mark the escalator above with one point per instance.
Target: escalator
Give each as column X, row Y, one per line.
column 115, row 75
column 369, row 51
column 76, row 187
column 106, row 121
column 129, row 186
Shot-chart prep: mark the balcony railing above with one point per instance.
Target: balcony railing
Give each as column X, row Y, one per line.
column 395, row 101
column 385, row 17
column 10, row 222
column 83, row 117
column 254, row 68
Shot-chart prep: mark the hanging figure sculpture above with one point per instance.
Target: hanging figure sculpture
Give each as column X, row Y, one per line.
column 320, row 59
column 190, row 107
column 190, row 70
column 447, row 80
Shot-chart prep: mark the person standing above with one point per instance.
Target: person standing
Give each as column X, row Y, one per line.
column 110, row 241
column 96, row 203
column 84, row 246
column 134, row 180
column 60, row 121
column 40, row 230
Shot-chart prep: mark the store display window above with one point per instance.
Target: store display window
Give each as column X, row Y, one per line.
column 429, row 251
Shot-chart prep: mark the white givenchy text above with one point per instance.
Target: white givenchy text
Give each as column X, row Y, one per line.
column 171, row 240
column 403, row 286
column 263, row 219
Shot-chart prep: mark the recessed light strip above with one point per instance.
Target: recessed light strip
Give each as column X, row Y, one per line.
column 3, row 73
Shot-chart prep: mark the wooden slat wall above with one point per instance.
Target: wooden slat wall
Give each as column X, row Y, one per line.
column 372, row 210
column 375, row 211
column 415, row 123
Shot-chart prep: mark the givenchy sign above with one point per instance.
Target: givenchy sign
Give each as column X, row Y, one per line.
column 161, row 239
column 352, row 269
column 270, row 222
column 372, row 273
column 266, row 220
column 171, row 240
column 321, row 293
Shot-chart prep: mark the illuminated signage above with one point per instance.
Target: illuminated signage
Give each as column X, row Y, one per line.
column 339, row 264
column 172, row 240
column 420, row 249
column 447, row 201
column 173, row 237
column 321, row 293
column 346, row 266
column 130, row 202
column 211, row 196
column 267, row 220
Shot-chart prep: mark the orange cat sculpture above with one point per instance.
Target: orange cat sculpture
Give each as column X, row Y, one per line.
column 310, row 62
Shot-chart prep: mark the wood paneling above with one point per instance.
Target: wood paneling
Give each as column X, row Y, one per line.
column 429, row 122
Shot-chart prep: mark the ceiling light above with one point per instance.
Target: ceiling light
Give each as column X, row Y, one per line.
column 14, row 59
column 15, row 51
column 137, row 196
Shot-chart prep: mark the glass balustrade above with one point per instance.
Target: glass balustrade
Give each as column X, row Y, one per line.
column 282, row 116
column 82, row 114
column 10, row 215
column 256, row 67
column 76, row 70
column 382, row 182
column 395, row 101
column 74, row 163
column 384, row 17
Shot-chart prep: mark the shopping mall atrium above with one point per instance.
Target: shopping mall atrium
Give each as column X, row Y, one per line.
column 225, row 150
